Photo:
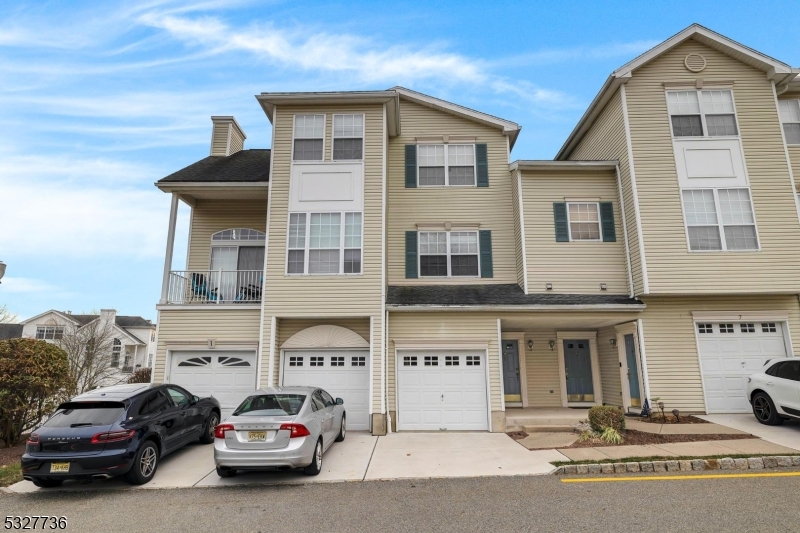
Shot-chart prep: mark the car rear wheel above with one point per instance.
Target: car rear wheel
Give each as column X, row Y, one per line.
column 48, row 483
column 225, row 472
column 145, row 463
column 342, row 430
column 316, row 462
column 764, row 410
column 208, row 429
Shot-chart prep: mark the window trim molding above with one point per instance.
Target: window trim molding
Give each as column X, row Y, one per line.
column 333, row 138
column 720, row 225
column 54, row 327
column 307, row 242
column 449, row 264
column 702, row 113
column 780, row 119
column 446, row 164
column 324, row 131
column 599, row 220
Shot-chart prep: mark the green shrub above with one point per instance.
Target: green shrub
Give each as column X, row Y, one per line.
column 606, row 416
column 34, row 379
column 140, row 376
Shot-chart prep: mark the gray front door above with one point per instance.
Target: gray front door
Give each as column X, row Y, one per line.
column 511, row 371
column 633, row 371
column 578, row 370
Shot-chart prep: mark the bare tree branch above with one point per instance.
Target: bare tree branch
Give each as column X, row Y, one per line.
column 6, row 316
column 90, row 352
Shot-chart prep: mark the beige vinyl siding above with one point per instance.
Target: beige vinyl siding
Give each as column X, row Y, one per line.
column 517, row 230
column 794, row 159
column 607, row 140
column 671, row 267
column 211, row 216
column 541, row 370
column 670, row 343
column 456, row 327
column 490, row 207
column 289, row 326
column 572, row 267
column 219, row 139
column 197, row 326
column 608, row 359
column 336, row 295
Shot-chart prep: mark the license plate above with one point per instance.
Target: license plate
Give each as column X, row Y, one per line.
column 59, row 467
column 256, row 436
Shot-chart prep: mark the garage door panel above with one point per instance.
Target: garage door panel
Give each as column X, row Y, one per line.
column 431, row 379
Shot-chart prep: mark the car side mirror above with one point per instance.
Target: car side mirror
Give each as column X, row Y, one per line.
column 195, row 399
column 339, row 401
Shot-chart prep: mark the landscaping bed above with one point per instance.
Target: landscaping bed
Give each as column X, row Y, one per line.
column 670, row 419
column 10, row 470
column 633, row 437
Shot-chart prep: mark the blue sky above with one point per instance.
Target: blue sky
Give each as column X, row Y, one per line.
column 98, row 100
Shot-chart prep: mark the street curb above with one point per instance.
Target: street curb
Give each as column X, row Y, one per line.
column 727, row 463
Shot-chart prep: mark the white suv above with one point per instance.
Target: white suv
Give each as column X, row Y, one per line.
column 775, row 392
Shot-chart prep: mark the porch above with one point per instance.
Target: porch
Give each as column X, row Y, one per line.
column 214, row 287
column 544, row 419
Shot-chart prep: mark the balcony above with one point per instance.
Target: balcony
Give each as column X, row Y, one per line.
column 214, row 287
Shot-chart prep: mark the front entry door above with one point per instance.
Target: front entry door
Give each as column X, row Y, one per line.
column 633, row 371
column 578, row 370
column 511, row 371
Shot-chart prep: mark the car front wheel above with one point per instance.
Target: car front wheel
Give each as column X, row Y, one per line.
column 144, row 464
column 764, row 410
column 316, row 462
column 208, row 429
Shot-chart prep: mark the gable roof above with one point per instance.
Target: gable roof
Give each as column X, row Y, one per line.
column 779, row 72
column 121, row 322
column 245, row 166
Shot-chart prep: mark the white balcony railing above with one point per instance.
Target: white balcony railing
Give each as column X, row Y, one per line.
column 215, row 286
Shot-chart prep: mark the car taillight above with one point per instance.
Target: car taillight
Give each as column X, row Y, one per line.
column 296, row 430
column 219, row 431
column 33, row 439
column 113, row 436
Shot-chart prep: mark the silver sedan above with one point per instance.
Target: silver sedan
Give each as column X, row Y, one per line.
column 279, row 428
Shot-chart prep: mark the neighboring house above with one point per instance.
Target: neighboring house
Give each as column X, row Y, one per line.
column 10, row 331
column 132, row 343
column 386, row 248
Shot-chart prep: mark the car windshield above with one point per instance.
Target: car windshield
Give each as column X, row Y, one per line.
column 85, row 414
column 271, row 405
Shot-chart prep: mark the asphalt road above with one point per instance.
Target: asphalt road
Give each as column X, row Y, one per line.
column 534, row 503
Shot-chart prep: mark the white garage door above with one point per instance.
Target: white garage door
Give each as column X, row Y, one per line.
column 229, row 377
column 729, row 353
column 344, row 374
column 442, row 390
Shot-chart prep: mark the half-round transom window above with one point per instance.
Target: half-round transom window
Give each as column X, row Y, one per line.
column 239, row 234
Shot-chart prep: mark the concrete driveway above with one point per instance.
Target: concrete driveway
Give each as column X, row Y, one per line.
column 787, row 434
column 361, row 456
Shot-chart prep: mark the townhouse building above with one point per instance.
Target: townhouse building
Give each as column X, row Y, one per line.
column 387, row 248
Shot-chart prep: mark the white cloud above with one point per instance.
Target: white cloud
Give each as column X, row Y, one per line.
column 561, row 55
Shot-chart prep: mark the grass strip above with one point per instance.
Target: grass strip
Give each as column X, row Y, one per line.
column 10, row 474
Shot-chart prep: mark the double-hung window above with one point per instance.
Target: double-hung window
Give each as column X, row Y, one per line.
column 309, row 137
column 706, row 113
column 448, row 253
column 584, row 221
column 719, row 219
column 324, row 243
column 50, row 333
column 348, row 137
column 790, row 118
column 446, row 164
column 116, row 350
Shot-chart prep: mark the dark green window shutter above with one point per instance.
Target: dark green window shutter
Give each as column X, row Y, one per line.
column 411, row 255
column 560, row 216
column 411, row 167
column 482, row 162
column 485, row 241
column 607, row 219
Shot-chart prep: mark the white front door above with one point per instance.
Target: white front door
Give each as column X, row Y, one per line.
column 228, row 376
column 343, row 374
column 442, row 390
column 730, row 352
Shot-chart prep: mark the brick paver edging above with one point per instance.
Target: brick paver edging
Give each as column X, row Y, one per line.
column 753, row 463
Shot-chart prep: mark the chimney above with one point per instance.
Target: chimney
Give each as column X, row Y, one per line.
column 108, row 317
column 227, row 137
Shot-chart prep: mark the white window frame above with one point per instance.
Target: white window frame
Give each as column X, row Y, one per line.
column 447, row 165
column 324, row 129
column 334, row 137
column 703, row 113
column 781, row 115
column 720, row 225
column 599, row 221
column 449, row 254
column 49, row 333
column 307, row 244
column 116, row 351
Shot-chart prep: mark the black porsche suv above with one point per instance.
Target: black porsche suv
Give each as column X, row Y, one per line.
column 119, row 430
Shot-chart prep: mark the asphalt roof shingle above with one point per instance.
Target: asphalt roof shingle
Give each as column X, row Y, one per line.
column 496, row 294
column 247, row 166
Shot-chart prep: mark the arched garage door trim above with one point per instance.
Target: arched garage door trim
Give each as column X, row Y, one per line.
column 326, row 336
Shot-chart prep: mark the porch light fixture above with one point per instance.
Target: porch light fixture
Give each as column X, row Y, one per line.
column 613, row 341
column 603, row 287
column 530, row 344
column 548, row 286
column 2, row 269
column 552, row 345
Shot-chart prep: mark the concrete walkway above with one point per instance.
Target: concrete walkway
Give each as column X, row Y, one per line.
column 787, row 434
column 681, row 429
